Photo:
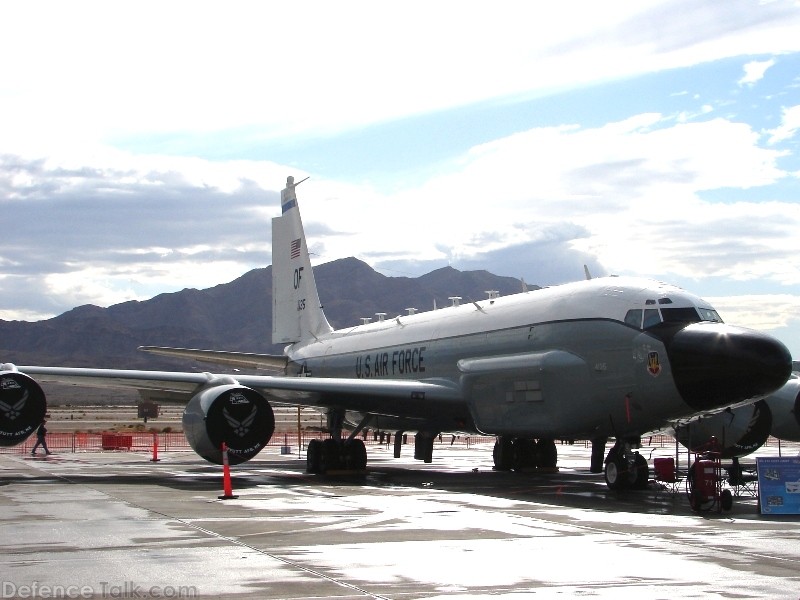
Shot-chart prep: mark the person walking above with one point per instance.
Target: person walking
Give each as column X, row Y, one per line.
column 40, row 441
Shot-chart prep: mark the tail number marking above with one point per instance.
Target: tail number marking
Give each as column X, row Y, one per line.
column 298, row 276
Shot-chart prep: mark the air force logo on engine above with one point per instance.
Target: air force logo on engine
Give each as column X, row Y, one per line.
column 240, row 428
column 12, row 411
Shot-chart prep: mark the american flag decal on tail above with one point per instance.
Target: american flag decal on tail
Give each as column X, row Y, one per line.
column 295, row 250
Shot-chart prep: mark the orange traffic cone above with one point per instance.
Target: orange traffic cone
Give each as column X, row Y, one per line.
column 227, row 489
column 155, row 448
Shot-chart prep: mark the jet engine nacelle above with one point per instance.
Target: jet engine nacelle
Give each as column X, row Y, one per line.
column 739, row 431
column 22, row 406
column 230, row 413
column 785, row 407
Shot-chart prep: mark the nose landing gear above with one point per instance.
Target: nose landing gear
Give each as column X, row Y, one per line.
column 625, row 468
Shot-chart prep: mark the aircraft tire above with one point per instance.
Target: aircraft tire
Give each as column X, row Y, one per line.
column 329, row 456
column 503, row 454
column 355, row 453
column 313, row 454
column 640, row 474
column 546, row 454
column 726, row 500
column 524, row 454
column 616, row 473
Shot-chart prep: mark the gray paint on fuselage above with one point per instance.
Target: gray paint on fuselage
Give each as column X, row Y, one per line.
column 607, row 377
column 600, row 373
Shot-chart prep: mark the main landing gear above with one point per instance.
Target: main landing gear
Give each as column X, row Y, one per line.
column 335, row 453
column 625, row 469
column 324, row 456
column 523, row 453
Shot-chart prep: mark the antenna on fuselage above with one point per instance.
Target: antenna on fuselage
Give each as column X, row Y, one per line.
column 478, row 306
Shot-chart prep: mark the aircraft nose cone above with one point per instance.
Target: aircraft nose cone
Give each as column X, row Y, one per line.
column 716, row 365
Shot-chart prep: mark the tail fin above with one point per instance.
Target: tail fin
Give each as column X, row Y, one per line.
column 296, row 311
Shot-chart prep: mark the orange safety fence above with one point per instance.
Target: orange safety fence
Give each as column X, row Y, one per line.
column 175, row 441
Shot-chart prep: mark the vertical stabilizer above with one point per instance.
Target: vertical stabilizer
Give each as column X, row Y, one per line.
column 296, row 311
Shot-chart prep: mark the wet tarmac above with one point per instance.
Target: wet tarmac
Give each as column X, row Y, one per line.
column 117, row 525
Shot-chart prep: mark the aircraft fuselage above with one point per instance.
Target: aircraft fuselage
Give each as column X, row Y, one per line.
column 556, row 362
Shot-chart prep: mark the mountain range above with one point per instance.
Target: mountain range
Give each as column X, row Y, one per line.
column 235, row 316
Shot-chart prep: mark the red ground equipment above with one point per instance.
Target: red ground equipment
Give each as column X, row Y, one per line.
column 704, row 483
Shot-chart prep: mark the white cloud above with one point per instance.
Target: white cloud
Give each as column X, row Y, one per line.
column 633, row 194
column 754, row 71
column 275, row 70
column 762, row 312
column 629, row 191
column 790, row 123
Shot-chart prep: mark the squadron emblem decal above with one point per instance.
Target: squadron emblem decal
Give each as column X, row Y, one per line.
column 653, row 364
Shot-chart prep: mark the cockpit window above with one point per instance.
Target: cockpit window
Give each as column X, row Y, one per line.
column 643, row 319
column 651, row 317
column 680, row 315
column 634, row 318
column 709, row 314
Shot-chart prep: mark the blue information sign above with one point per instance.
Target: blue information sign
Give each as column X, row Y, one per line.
column 778, row 485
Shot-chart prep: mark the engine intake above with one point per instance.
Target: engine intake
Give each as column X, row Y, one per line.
column 22, row 407
column 231, row 413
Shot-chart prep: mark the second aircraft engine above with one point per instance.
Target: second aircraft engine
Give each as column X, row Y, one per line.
column 785, row 407
column 22, row 406
column 739, row 431
column 230, row 413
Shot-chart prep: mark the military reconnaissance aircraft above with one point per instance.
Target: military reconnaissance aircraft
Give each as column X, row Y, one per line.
column 596, row 359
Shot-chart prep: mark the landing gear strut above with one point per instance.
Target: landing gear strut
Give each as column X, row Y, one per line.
column 626, row 469
column 423, row 446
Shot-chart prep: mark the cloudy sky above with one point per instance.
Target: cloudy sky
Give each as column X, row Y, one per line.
column 143, row 145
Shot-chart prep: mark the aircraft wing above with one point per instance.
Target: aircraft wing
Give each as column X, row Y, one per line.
column 382, row 396
column 269, row 362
